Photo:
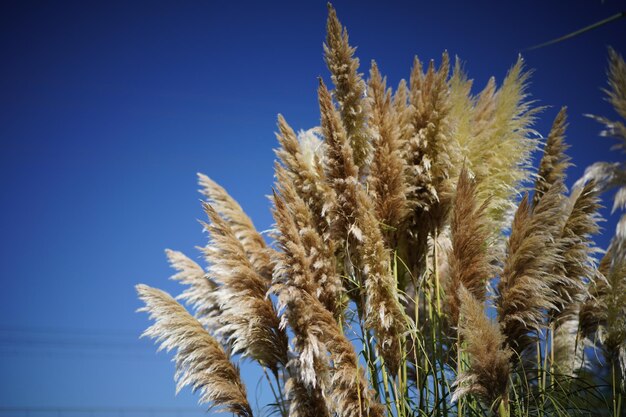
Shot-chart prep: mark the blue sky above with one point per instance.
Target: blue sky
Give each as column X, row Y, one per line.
column 107, row 111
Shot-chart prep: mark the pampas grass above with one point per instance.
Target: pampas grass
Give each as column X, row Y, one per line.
column 410, row 271
column 489, row 368
column 349, row 86
column 470, row 262
column 200, row 360
column 248, row 320
column 528, row 269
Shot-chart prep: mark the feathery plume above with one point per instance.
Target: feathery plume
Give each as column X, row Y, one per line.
column 341, row 170
column 489, row 367
column 304, row 401
column 461, row 107
column 296, row 267
column 306, row 172
column 387, row 182
column 568, row 348
column 432, row 152
column 483, row 114
column 403, row 112
column 603, row 314
column 200, row 289
column 243, row 228
column 613, row 333
column 617, row 90
column 315, row 270
column 593, row 310
column 349, row 86
column 428, row 147
column 355, row 222
column 499, row 153
column 554, row 161
column 248, row 319
column 613, row 175
column 323, row 349
column 200, row 361
column 469, row 261
column 347, row 394
column 528, row 269
column 384, row 313
column 574, row 276
column 576, row 250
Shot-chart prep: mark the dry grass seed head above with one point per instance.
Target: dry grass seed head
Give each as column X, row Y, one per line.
column 341, row 170
column 201, row 363
column 613, row 335
column 257, row 251
column 248, row 318
column 387, row 182
column 347, row 393
column 499, row 154
column 576, row 250
column 469, row 258
column 304, row 400
column 554, row 161
column 349, row 87
column 489, row 368
column 609, row 175
column 432, row 153
column 307, row 174
column 200, row 289
column 529, row 269
column 306, row 256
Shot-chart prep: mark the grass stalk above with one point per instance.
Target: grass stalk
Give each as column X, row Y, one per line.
column 280, row 403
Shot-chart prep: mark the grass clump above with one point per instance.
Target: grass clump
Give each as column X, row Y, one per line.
column 405, row 276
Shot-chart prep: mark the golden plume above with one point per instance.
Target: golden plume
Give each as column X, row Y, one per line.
column 349, row 87
column 200, row 289
column 201, row 363
column 248, row 319
column 306, row 174
column 386, row 181
column 241, row 225
column 299, row 239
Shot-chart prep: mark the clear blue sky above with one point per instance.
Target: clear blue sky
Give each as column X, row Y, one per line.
column 108, row 109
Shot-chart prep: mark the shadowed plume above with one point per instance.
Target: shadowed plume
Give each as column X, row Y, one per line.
column 529, row 269
column 609, row 175
column 554, row 161
column 489, row 361
column 469, row 259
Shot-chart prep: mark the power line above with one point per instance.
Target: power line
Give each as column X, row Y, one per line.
column 104, row 410
column 69, row 330
column 78, row 354
column 28, row 341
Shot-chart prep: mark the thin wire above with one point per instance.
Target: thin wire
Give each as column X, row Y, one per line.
column 41, row 341
column 580, row 31
column 101, row 410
